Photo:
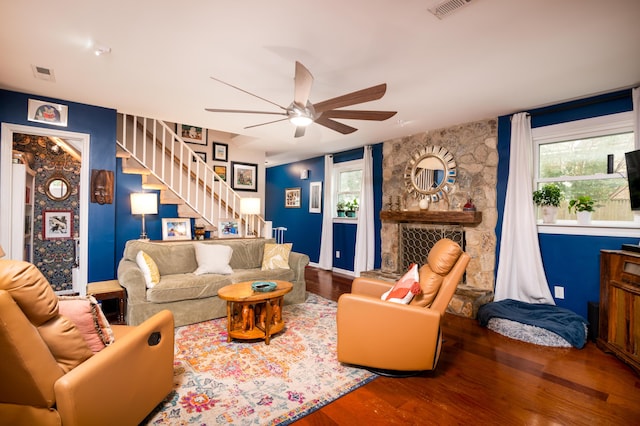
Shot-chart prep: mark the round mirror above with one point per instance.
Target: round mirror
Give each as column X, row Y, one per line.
column 431, row 173
column 57, row 188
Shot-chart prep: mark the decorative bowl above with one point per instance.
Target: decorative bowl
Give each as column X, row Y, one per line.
column 263, row 286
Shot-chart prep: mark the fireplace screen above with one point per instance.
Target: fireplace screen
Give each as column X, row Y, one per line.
column 417, row 239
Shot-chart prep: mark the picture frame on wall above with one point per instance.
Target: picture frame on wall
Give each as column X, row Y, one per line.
column 202, row 155
column 192, row 134
column 244, row 176
column 220, row 151
column 176, row 229
column 292, row 198
column 315, row 197
column 221, row 171
column 57, row 224
column 47, row 113
column 229, row 228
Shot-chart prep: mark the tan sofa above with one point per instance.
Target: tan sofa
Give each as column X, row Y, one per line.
column 49, row 374
column 194, row 298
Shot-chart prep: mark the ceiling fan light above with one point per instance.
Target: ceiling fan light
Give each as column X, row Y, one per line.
column 300, row 120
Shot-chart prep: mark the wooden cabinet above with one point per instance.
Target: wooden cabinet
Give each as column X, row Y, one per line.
column 23, row 182
column 619, row 331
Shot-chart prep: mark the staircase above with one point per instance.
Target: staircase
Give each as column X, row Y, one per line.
column 152, row 149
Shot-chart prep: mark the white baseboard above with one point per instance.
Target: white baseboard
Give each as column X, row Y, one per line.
column 336, row 270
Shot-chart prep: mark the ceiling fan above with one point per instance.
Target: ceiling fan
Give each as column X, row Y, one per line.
column 302, row 112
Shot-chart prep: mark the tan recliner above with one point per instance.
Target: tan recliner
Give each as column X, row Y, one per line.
column 48, row 374
column 387, row 336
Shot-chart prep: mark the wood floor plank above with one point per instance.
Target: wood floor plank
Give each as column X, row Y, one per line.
column 485, row 378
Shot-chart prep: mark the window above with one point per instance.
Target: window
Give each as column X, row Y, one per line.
column 575, row 155
column 347, row 179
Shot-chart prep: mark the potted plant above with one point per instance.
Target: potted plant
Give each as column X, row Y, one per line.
column 351, row 207
column 583, row 206
column 341, row 207
column 548, row 198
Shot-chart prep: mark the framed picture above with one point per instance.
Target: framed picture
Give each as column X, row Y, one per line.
column 192, row 134
column 176, row 229
column 220, row 151
column 229, row 228
column 202, row 155
column 315, row 197
column 292, row 197
column 244, row 176
column 221, row 171
column 48, row 113
column 57, row 224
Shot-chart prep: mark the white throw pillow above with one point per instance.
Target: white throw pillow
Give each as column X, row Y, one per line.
column 149, row 269
column 213, row 259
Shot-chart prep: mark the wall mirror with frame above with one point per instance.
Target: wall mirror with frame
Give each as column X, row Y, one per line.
column 430, row 173
column 57, row 187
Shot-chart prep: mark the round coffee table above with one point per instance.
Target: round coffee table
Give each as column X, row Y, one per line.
column 253, row 314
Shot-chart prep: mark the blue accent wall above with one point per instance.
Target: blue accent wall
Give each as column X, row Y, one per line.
column 304, row 229
column 571, row 261
column 100, row 124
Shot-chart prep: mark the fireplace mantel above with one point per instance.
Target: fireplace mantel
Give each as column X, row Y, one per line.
column 421, row 216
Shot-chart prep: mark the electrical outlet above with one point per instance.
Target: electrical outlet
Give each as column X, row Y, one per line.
column 337, row 254
column 558, row 292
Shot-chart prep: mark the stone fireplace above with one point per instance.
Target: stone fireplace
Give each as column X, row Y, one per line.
column 417, row 239
column 474, row 147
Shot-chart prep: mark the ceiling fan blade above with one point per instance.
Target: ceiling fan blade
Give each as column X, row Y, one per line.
column 303, row 83
column 300, row 131
column 334, row 125
column 244, row 111
column 364, row 95
column 268, row 122
column 359, row 115
column 248, row 93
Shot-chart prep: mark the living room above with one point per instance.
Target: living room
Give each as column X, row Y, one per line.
column 570, row 255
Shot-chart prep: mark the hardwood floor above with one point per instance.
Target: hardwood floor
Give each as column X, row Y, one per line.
column 484, row 378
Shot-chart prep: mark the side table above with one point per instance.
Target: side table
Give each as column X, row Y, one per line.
column 107, row 290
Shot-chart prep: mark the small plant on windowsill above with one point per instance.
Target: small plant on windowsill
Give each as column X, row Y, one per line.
column 583, row 206
column 341, row 207
column 548, row 198
column 352, row 207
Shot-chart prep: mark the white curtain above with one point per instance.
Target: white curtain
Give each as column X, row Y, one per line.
column 635, row 95
column 325, row 261
column 365, row 232
column 520, row 272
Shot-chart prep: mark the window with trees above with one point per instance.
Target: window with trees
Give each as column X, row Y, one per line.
column 347, row 184
column 577, row 155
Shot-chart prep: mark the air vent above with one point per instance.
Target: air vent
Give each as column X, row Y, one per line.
column 446, row 8
column 43, row 73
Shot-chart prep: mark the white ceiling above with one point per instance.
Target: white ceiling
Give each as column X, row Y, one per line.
column 489, row 58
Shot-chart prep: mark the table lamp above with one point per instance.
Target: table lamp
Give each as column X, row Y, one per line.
column 249, row 207
column 144, row 203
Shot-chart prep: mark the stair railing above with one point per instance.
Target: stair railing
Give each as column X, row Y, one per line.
column 158, row 148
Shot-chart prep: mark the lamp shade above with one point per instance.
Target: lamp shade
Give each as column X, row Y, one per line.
column 250, row 205
column 144, row 203
column 1, row 252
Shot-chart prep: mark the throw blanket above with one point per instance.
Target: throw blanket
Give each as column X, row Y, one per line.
column 565, row 323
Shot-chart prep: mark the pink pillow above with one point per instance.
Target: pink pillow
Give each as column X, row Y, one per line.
column 405, row 288
column 86, row 314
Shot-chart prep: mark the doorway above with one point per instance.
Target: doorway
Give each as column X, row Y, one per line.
column 80, row 142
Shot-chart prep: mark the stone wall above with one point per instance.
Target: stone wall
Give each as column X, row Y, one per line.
column 474, row 147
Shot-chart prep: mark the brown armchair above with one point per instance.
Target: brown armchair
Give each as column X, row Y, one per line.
column 49, row 376
column 392, row 337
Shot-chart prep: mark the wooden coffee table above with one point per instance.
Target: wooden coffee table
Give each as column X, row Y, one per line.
column 252, row 314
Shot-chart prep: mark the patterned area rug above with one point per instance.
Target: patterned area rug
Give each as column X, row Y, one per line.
column 250, row 383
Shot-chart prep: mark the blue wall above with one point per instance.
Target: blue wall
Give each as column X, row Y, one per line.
column 571, row 261
column 304, row 229
column 100, row 124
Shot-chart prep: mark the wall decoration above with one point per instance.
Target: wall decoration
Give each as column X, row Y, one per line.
column 315, row 197
column 292, row 197
column 48, row 113
column 202, row 155
column 244, row 176
column 176, row 229
column 221, row 171
column 192, row 134
column 220, row 151
column 229, row 228
column 57, row 224
column 101, row 186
